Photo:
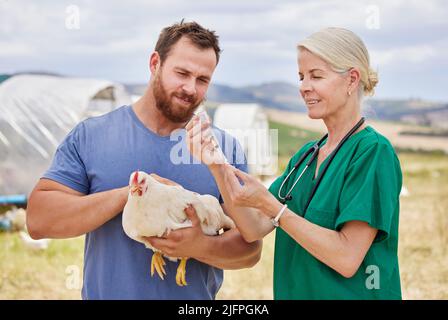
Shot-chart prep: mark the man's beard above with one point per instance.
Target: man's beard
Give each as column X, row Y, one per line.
column 165, row 105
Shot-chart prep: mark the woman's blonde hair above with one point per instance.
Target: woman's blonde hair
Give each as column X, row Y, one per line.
column 343, row 50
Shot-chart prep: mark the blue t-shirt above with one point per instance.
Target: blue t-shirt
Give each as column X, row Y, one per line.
column 99, row 154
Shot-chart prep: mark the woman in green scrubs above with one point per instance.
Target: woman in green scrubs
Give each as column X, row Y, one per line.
column 339, row 242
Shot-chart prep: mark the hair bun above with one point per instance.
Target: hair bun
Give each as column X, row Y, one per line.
column 372, row 81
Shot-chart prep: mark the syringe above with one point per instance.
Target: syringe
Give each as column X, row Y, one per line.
column 203, row 116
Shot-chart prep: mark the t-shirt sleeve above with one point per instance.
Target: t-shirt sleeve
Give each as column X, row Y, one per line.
column 67, row 166
column 238, row 160
column 371, row 189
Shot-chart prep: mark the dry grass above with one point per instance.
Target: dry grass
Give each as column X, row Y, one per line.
column 254, row 283
column 423, row 247
column 388, row 129
column 30, row 274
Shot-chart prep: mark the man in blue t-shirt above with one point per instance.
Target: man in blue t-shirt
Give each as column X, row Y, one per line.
column 85, row 189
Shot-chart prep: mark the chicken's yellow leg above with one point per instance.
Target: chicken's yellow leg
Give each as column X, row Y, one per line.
column 181, row 272
column 157, row 262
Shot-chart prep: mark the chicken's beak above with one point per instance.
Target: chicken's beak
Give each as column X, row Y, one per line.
column 136, row 190
column 135, row 187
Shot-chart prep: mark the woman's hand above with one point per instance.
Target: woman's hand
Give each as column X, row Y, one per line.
column 251, row 194
column 201, row 143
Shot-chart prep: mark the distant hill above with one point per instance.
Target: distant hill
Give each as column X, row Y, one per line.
column 286, row 96
column 410, row 111
column 278, row 95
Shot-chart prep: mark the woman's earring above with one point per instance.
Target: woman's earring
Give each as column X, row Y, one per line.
column 349, row 93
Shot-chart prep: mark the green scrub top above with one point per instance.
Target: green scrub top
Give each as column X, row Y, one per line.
column 363, row 183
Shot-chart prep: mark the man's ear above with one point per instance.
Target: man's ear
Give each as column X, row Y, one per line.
column 154, row 62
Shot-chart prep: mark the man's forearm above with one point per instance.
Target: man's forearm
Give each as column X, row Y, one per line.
column 230, row 251
column 56, row 214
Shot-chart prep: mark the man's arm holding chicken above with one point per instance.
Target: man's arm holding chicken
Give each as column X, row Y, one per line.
column 57, row 211
column 226, row 251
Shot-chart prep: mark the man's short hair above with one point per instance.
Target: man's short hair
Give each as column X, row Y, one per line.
column 199, row 36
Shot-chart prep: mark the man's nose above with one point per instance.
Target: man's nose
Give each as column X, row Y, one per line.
column 189, row 86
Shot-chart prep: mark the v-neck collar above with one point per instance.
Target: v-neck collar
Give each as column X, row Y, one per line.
column 313, row 166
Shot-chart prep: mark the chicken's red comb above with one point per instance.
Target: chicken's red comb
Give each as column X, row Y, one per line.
column 135, row 181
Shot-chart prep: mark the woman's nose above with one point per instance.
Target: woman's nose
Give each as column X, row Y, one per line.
column 305, row 86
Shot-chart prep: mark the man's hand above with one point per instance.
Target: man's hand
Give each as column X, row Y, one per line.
column 188, row 242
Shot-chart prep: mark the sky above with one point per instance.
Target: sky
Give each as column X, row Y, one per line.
column 407, row 40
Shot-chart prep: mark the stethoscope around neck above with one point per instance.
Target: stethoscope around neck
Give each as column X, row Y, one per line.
column 314, row 151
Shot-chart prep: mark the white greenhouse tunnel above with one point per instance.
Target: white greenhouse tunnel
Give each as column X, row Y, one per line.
column 36, row 113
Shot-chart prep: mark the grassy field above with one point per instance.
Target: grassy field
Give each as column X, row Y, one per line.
column 47, row 274
column 291, row 139
column 423, row 247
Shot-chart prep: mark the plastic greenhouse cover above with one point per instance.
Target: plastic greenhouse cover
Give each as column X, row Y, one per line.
column 36, row 113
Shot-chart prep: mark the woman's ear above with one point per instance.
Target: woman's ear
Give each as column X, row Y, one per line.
column 354, row 77
column 154, row 62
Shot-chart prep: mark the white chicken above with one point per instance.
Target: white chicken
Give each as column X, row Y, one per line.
column 154, row 209
column 40, row 244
